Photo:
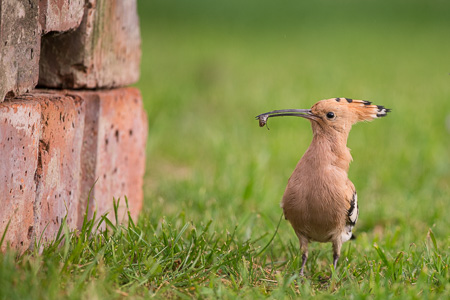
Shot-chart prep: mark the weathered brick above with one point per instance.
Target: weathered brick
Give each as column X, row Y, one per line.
column 103, row 52
column 58, row 171
column 60, row 15
column 113, row 155
column 19, row 47
column 19, row 140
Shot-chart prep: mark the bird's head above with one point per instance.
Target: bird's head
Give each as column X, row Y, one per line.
column 332, row 115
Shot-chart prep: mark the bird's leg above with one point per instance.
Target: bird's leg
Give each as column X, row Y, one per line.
column 336, row 252
column 335, row 260
column 304, row 250
column 304, row 259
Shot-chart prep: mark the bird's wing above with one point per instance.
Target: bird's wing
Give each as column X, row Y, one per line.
column 353, row 210
column 352, row 204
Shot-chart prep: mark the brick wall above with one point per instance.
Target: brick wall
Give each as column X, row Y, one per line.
column 82, row 129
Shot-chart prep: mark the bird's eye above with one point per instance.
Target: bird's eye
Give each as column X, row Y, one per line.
column 330, row 115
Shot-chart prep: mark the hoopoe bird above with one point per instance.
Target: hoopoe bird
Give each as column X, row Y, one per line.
column 320, row 201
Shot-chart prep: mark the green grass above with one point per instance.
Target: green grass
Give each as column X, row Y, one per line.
column 215, row 179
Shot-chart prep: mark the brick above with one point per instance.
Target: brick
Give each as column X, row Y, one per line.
column 19, row 47
column 19, row 136
column 103, row 52
column 60, row 15
column 58, row 171
column 113, row 155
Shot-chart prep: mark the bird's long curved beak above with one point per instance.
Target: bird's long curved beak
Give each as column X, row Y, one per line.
column 304, row 113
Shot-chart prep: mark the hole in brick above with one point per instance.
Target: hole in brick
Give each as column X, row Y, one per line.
column 117, row 135
column 25, row 158
column 106, row 141
column 70, row 193
column 26, row 173
column 130, row 132
column 30, row 232
column 104, row 176
column 115, row 170
column 21, row 187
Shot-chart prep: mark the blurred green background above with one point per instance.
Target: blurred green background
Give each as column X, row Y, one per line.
column 209, row 67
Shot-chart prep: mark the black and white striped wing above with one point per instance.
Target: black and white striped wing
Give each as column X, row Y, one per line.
column 352, row 218
column 353, row 211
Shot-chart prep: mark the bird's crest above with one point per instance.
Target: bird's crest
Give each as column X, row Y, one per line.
column 362, row 109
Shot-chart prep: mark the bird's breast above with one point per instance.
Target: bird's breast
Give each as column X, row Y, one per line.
column 313, row 202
